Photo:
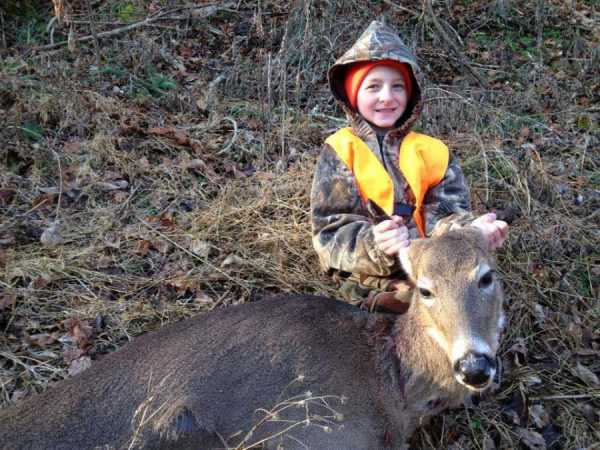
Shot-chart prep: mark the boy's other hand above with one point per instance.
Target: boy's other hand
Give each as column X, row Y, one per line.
column 495, row 231
column 391, row 235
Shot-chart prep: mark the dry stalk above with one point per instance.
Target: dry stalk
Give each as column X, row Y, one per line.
column 276, row 415
column 93, row 32
column 282, row 59
column 2, row 27
column 459, row 54
column 146, row 411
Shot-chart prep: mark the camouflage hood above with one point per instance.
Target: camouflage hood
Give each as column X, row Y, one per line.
column 379, row 41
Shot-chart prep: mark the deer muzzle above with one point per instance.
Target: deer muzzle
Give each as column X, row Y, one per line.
column 475, row 370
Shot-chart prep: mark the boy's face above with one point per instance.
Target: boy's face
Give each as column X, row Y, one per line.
column 382, row 96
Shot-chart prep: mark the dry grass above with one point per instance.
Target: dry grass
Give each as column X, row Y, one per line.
column 174, row 179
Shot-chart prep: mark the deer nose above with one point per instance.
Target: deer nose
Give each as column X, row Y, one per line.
column 475, row 370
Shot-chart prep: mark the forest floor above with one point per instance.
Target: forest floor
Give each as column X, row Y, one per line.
column 156, row 159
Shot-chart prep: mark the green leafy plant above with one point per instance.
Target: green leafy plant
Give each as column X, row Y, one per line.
column 127, row 12
column 32, row 130
column 156, row 84
column 32, row 29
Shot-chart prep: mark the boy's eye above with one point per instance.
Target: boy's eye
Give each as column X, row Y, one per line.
column 372, row 87
column 399, row 86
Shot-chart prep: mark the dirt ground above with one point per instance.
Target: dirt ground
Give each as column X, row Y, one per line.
column 156, row 159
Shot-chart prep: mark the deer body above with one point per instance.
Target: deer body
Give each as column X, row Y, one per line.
column 321, row 373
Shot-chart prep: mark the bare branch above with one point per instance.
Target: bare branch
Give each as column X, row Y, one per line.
column 203, row 12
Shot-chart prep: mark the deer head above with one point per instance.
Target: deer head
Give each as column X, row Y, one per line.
column 458, row 299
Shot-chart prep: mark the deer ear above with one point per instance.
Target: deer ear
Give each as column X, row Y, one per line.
column 409, row 257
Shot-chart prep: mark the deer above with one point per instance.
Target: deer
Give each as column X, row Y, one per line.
column 292, row 371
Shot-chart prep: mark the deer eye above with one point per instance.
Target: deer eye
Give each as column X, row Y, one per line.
column 486, row 280
column 425, row 293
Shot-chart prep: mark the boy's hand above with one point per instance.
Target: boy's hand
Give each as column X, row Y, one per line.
column 391, row 235
column 495, row 231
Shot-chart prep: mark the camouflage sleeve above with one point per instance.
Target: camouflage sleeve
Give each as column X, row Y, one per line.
column 342, row 231
column 449, row 201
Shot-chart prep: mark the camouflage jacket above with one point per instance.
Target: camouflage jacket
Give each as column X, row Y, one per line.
column 342, row 229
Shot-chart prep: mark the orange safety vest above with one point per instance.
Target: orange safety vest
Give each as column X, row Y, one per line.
column 423, row 162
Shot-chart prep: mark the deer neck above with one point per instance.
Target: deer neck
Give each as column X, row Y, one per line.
column 425, row 371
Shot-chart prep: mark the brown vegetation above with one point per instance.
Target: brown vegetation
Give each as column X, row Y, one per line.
column 156, row 157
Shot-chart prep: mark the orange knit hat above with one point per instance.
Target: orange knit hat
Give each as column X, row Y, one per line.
column 356, row 73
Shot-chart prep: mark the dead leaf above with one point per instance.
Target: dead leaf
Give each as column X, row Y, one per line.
column 488, row 443
column 80, row 331
column 72, row 353
column 3, row 258
column 182, row 284
column 18, row 395
column 540, row 313
column 112, row 186
column 232, row 260
column 6, row 195
column 7, row 300
column 163, row 222
column 142, row 247
column 591, row 415
column 533, row 380
column 119, row 196
column 50, row 190
column 79, row 365
column 161, row 131
column 532, row 439
column 44, row 199
column 51, row 236
column 519, row 352
column 194, row 164
column 516, row 409
column 7, row 239
column 539, row 416
column 41, row 339
column 38, row 282
column 144, row 163
column 203, row 297
column 586, row 375
column 181, row 138
column 72, row 147
column 200, row 248
column 112, row 240
column 162, row 247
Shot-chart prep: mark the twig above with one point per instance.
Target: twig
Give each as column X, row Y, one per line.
column 3, row 32
column 282, row 57
column 463, row 60
column 539, row 23
column 208, row 11
column 401, row 8
column 94, row 35
column 102, row 35
column 564, row 397
column 233, row 139
column 60, row 184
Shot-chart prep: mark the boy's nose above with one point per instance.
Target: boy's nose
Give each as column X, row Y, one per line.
column 385, row 93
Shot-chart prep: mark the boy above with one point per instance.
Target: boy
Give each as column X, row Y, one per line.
column 378, row 185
